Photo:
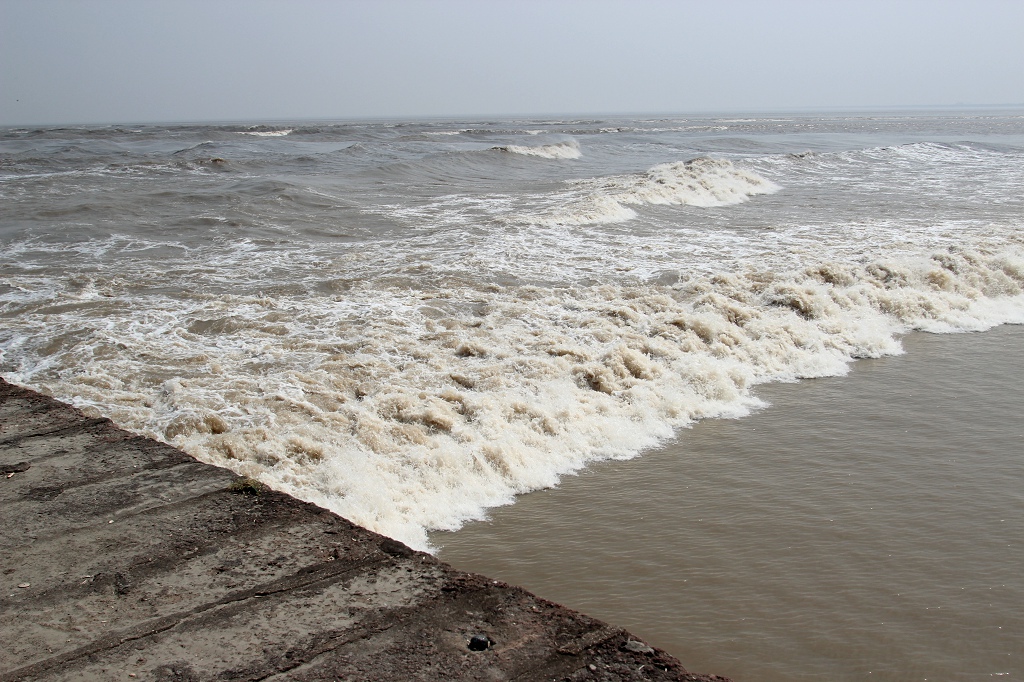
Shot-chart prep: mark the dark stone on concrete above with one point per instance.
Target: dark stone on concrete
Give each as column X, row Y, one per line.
column 14, row 468
column 480, row 643
column 142, row 563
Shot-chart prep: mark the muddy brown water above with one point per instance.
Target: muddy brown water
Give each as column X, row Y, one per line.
column 866, row 527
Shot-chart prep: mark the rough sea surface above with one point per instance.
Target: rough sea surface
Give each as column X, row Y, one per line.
column 411, row 323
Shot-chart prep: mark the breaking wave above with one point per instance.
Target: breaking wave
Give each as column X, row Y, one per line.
column 269, row 133
column 702, row 182
column 569, row 149
column 409, row 329
column 407, row 411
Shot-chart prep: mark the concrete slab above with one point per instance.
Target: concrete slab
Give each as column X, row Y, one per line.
column 124, row 558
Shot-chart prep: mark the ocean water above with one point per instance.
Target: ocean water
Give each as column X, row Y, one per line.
column 859, row 528
column 412, row 323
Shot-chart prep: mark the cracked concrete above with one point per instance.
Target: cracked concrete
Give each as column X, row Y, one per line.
column 124, row 558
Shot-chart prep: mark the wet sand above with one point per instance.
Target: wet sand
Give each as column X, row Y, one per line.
column 860, row 528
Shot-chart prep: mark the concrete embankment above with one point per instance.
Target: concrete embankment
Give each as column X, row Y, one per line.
column 124, row 558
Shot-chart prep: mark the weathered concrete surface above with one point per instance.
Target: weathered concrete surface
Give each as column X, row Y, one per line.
column 124, row 558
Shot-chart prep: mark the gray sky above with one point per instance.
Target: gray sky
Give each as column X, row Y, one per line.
column 82, row 61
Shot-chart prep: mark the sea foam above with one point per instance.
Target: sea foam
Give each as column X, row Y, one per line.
column 568, row 149
column 699, row 182
column 269, row 133
column 702, row 182
column 407, row 411
column 409, row 336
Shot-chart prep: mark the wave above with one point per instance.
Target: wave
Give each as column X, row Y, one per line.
column 953, row 154
column 208, row 145
column 407, row 410
column 569, row 149
column 444, row 342
column 702, row 182
column 594, row 210
column 269, row 133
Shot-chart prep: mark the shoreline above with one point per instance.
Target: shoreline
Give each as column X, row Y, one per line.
column 125, row 557
column 858, row 524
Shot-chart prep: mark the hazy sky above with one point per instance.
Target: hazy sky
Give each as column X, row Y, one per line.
column 178, row 60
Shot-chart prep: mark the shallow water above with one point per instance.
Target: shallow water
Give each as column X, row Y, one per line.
column 867, row 527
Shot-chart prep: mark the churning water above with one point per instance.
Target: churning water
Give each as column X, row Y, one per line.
column 412, row 323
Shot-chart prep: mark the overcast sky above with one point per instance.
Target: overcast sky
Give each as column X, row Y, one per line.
column 113, row 61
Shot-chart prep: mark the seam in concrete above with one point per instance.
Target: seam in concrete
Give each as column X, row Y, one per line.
column 77, row 426
column 330, row 644
column 304, row 577
column 387, row 620
column 85, row 482
column 591, row 639
column 122, row 515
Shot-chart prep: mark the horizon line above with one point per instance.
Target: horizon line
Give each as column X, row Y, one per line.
column 961, row 106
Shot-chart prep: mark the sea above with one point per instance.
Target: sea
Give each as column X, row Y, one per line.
column 749, row 385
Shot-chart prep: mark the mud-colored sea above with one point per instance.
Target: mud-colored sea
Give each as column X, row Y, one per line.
column 415, row 323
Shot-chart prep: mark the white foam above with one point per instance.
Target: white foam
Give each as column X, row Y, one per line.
column 594, row 210
column 269, row 133
column 482, row 345
column 702, row 182
column 407, row 410
column 568, row 149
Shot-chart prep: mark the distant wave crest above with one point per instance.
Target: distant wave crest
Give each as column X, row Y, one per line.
column 269, row 133
column 569, row 149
